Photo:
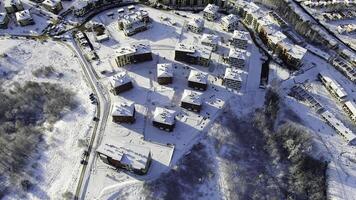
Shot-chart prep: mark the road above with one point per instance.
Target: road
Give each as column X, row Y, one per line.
column 102, row 113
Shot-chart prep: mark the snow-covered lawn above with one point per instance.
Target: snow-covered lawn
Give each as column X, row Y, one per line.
column 59, row 164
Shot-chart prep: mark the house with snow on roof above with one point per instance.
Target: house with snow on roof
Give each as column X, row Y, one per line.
column 123, row 112
column 210, row 40
column 350, row 108
column 164, row 119
column 229, row 22
column 196, row 55
column 240, row 39
column 192, row 100
column 232, row 78
column 198, row 80
column 332, row 85
column 130, row 157
column 339, row 127
column 54, row 6
column 237, row 57
column 135, row 52
column 133, row 22
column 196, row 25
column 164, row 73
column 24, row 18
column 121, row 82
column 210, row 12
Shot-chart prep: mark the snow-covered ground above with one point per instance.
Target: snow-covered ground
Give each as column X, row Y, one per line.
column 59, row 164
column 147, row 94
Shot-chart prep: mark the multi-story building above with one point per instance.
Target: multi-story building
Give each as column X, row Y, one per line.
column 197, row 55
column 290, row 53
column 192, row 100
column 229, row 22
column 164, row 119
column 196, row 25
column 350, row 109
column 135, row 52
column 240, row 39
column 210, row 12
column 121, row 82
column 4, row 20
column 339, row 127
column 12, row 6
column 192, row 3
column 237, row 57
column 134, row 158
column 198, row 80
column 54, row 6
column 210, row 40
column 133, row 22
column 345, row 67
column 232, row 78
column 332, row 86
column 83, row 7
column 165, row 73
column 123, row 112
column 24, row 18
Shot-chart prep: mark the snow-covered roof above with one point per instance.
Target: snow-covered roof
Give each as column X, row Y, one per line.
column 250, row 7
column 335, row 86
column 196, row 22
column 197, row 50
column 211, row 8
column 125, row 50
column 338, row 125
column 203, row 51
column 23, row 15
column 237, row 53
column 164, row 116
column 349, row 54
column 210, row 39
column 139, row 47
column 124, row 108
column 51, row 3
column 233, row 74
column 192, row 97
column 142, row 46
column 198, row 77
column 119, row 79
column 242, row 35
column 297, row 51
column 229, row 19
column 9, row 3
column 351, row 106
column 2, row 17
column 185, row 48
column 165, row 70
column 277, row 37
column 129, row 154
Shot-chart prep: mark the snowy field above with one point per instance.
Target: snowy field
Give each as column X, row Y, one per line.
column 106, row 182
column 59, row 164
